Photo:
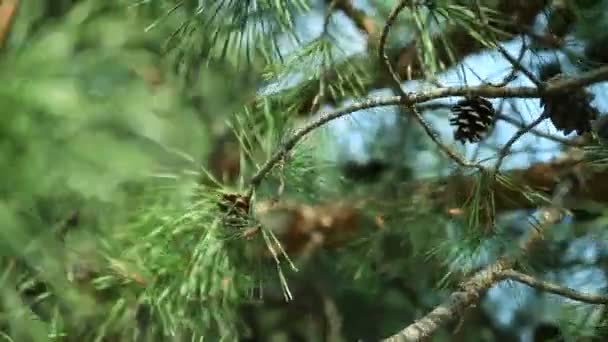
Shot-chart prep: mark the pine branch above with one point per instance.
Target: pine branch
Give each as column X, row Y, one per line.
column 473, row 289
column 290, row 143
column 554, row 288
column 454, row 306
column 597, row 75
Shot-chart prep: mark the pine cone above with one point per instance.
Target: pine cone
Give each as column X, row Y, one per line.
column 473, row 118
column 570, row 111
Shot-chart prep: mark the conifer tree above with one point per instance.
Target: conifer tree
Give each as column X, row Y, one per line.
column 181, row 170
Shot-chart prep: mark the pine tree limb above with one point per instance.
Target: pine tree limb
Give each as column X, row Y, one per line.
column 554, row 288
column 473, row 289
column 458, row 301
column 594, row 76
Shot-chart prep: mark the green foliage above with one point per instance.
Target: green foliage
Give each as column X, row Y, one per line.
column 242, row 33
column 111, row 230
column 312, row 61
column 200, row 273
column 590, row 14
column 84, row 132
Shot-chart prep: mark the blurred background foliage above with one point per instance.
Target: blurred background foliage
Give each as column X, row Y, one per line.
column 127, row 124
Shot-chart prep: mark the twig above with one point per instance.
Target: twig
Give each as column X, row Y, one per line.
column 516, row 63
column 513, row 73
column 435, row 138
column 504, row 151
column 518, row 66
column 583, row 80
column 537, row 132
column 330, row 12
column 456, row 157
column 382, row 48
column 554, row 288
